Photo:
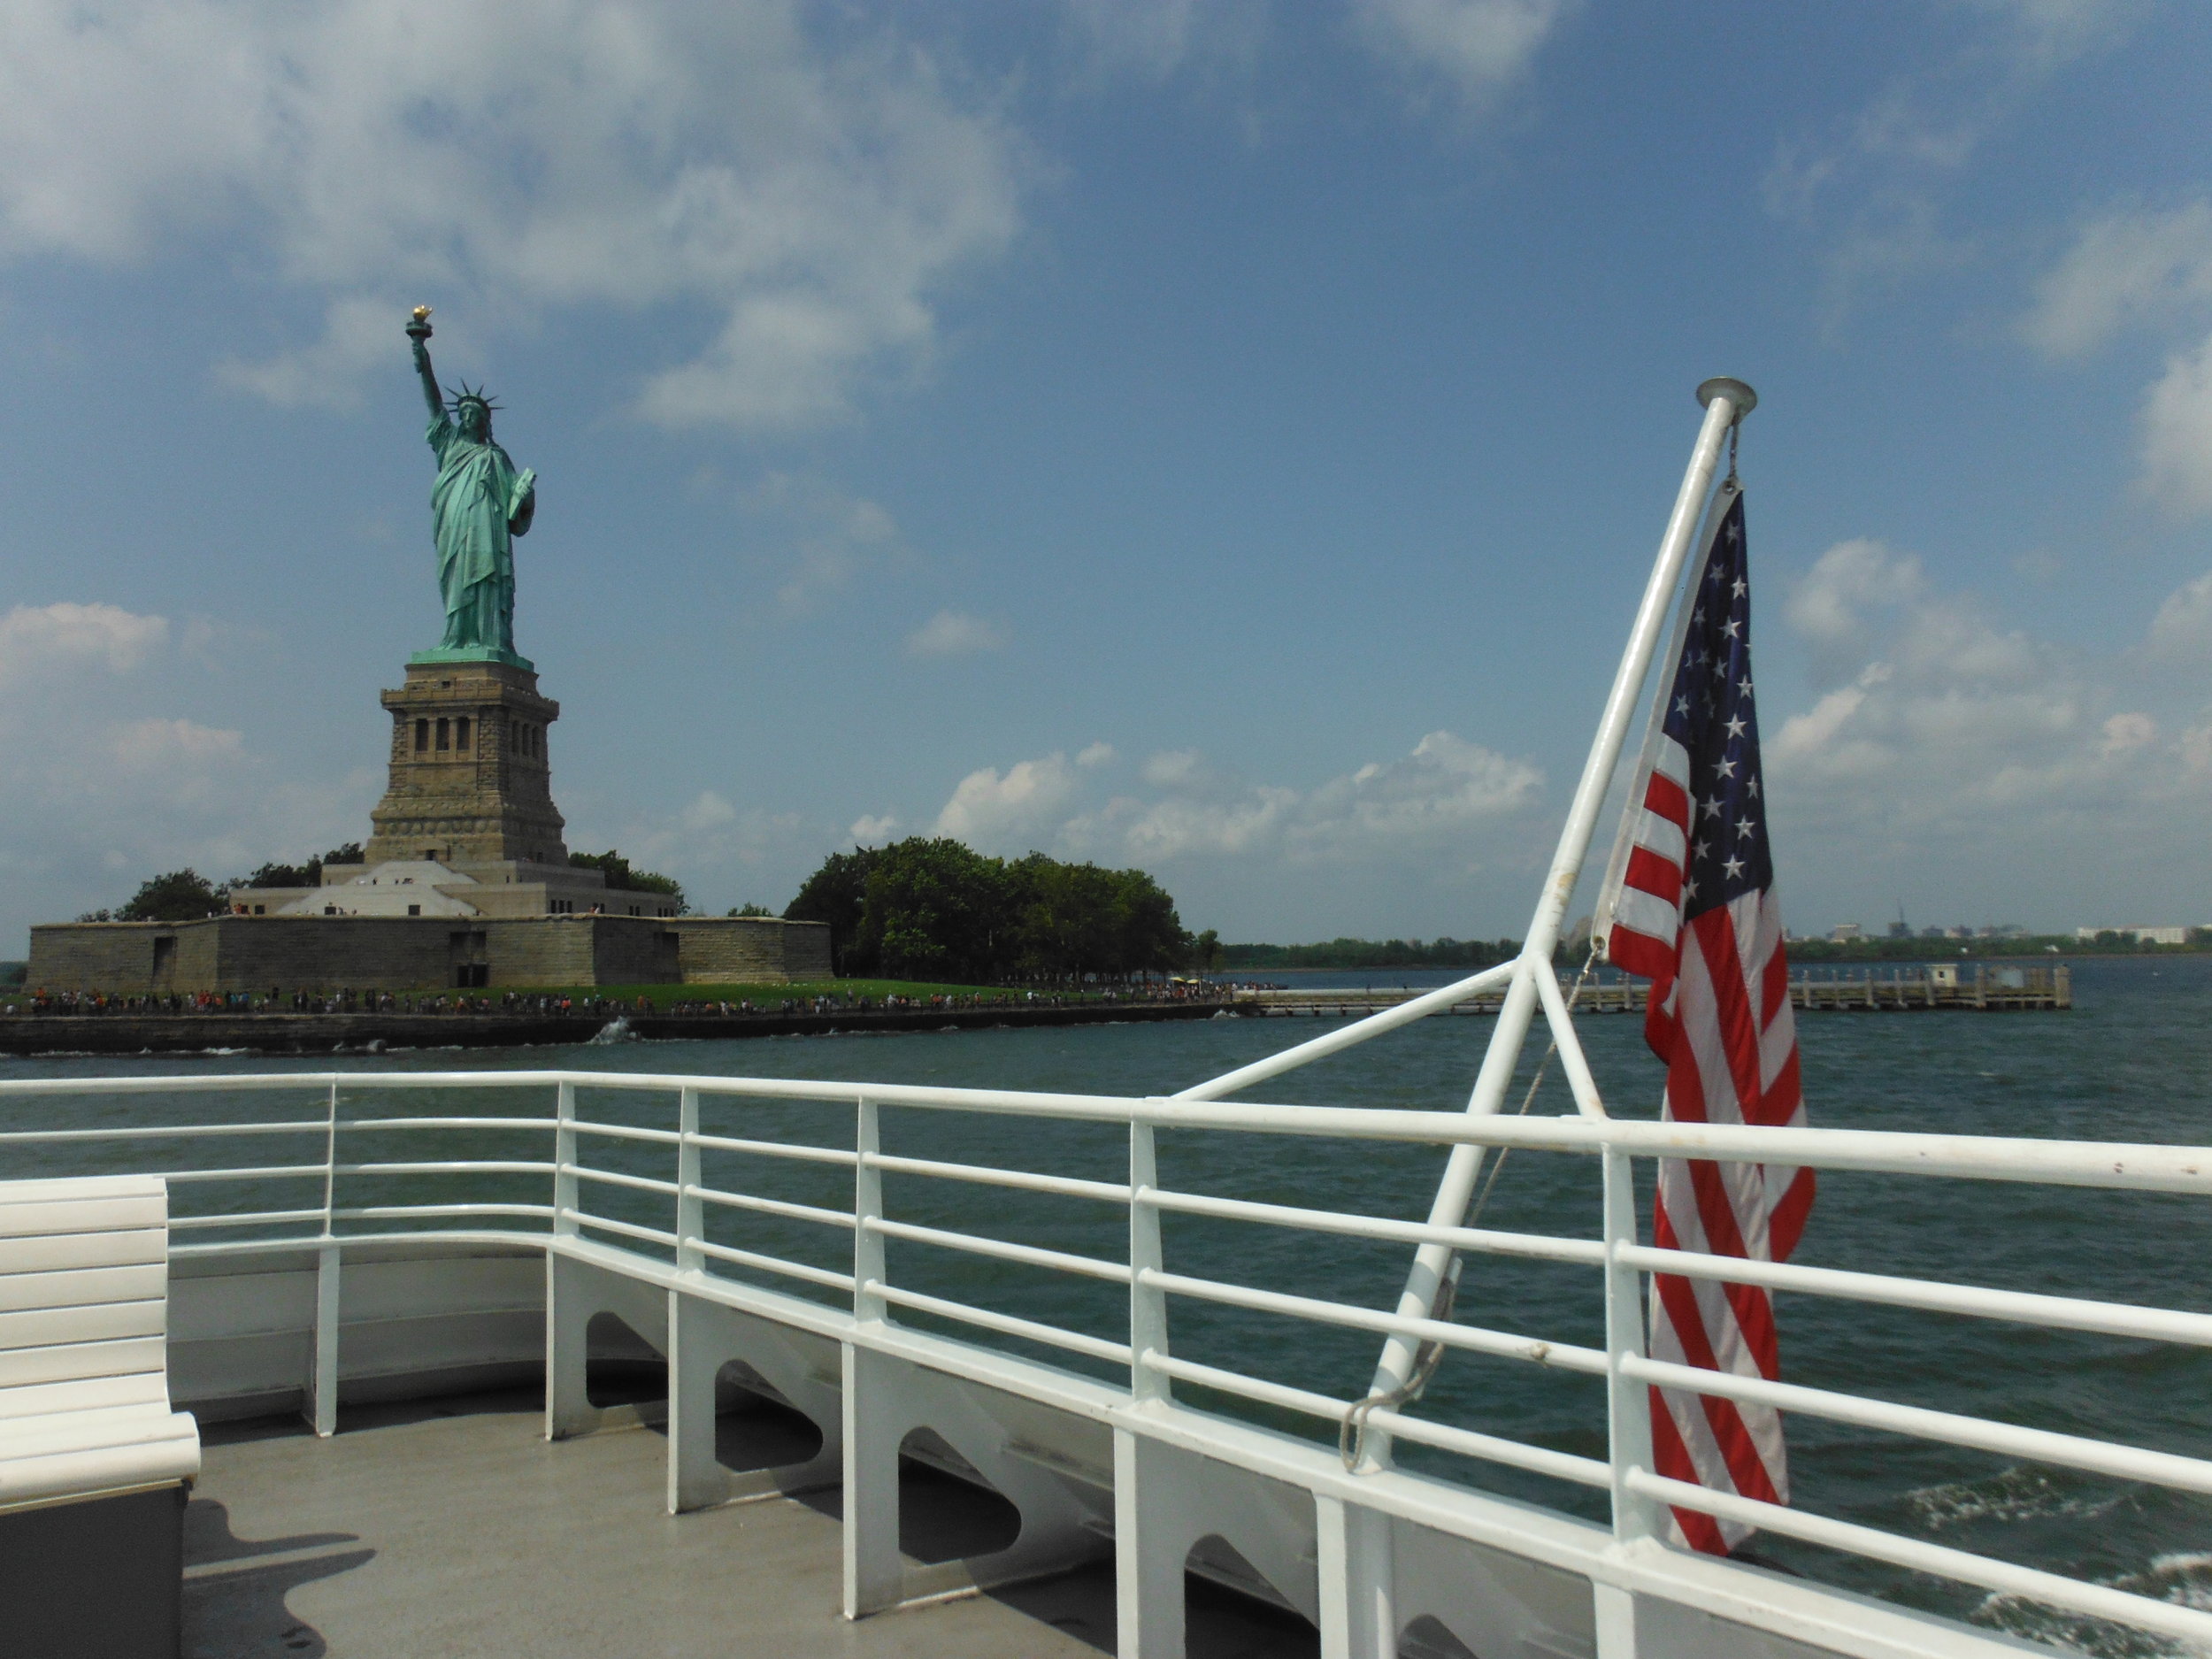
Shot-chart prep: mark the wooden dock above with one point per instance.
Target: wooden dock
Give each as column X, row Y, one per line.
column 1979, row 987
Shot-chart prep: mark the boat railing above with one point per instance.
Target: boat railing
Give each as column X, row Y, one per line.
column 659, row 1208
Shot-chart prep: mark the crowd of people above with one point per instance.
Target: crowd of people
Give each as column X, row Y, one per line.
column 556, row 1004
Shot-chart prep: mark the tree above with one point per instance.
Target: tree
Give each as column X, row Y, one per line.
column 307, row 875
column 751, row 909
column 837, row 894
column 1205, row 951
column 181, row 895
column 933, row 910
column 620, row 875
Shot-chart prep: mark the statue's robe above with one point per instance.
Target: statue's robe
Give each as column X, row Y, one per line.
column 476, row 508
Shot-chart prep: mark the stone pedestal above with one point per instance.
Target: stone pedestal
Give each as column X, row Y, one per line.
column 470, row 780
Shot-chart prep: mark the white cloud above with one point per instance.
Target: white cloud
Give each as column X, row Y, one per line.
column 1171, row 767
column 2130, row 267
column 819, row 539
column 868, row 831
column 1096, row 755
column 809, row 199
column 993, row 813
column 2177, row 434
column 954, row 633
column 2182, row 630
column 1833, row 607
column 1477, row 48
column 1437, row 803
column 39, row 639
column 327, row 375
column 1969, row 758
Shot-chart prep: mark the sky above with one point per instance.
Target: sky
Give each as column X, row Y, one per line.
column 1228, row 440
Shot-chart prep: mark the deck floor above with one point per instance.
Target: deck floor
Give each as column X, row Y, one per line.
column 452, row 1528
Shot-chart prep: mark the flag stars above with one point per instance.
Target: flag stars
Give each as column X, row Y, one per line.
column 1727, row 768
column 1736, row 727
column 1745, row 825
column 1741, row 586
column 1732, row 868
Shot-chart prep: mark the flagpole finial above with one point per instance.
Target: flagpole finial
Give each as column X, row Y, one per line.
column 1734, row 390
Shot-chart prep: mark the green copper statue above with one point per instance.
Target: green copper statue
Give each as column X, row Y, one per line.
column 479, row 504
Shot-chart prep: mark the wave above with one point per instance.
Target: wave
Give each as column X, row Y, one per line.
column 2183, row 1578
column 2012, row 1494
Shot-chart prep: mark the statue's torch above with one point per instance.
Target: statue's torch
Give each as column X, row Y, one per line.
column 419, row 325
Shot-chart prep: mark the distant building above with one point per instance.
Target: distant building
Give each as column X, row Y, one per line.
column 2137, row 935
column 1843, row 932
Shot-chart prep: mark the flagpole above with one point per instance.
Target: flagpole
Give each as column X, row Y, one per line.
column 1727, row 402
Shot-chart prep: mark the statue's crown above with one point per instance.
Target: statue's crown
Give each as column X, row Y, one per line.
column 471, row 395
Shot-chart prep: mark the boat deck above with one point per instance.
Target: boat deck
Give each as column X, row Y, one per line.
column 451, row 1528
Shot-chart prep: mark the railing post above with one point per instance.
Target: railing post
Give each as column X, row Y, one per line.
column 564, row 1160
column 322, row 1381
column 1147, row 1303
column 690, row 1210
column 1628, row 1401
column 1628, row 1404
column 868, row 1255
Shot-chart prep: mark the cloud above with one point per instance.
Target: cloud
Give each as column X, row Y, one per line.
column 1873, row 184
column 2181, row 632
column 820, row 538
column 992, row 812
column 1097, row 755
column 35, row 640
column 2177, row 434
column 869, row 831
column 2127, row 268
column 1474, row 48
column 1853, row 592
column 1430, row 803
column 954, row 633
column 1974, row 765
column 805, row 194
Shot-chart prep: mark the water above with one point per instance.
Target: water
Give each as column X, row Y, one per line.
column 2132, row 1062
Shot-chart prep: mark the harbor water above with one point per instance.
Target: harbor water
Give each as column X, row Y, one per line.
column 2132, row 1060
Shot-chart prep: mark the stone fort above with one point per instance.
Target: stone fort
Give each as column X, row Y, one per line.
column 465, row 883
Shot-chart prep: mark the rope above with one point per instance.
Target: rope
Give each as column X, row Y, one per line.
column 1351, row 1437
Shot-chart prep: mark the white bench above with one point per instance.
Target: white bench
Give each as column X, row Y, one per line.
column 84, row 1371
column 95, row 1467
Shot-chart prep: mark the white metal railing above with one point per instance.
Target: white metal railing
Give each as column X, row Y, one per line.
column 662, row 1203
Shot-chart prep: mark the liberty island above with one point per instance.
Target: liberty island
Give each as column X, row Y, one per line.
column 466, row 880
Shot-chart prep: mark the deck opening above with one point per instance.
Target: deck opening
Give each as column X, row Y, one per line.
column 620, row 1367
column 755, row 1427
column 947, row 1511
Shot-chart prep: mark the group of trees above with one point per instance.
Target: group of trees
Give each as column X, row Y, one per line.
column 936, row 910
column 185, row 895
column 619, row 874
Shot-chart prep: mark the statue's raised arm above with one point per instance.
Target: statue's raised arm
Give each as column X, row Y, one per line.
column 419, row 331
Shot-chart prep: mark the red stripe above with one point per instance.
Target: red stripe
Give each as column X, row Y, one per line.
column 1667, row 798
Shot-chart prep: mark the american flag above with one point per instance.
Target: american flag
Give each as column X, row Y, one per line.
column 1696, row 916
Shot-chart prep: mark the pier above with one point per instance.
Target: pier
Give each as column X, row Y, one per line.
column 1982, row 989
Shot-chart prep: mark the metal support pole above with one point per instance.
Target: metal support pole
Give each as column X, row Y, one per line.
column 322, row 1380
column 690, row 1209
column 564, row 1160
column 1725, row 402
column 1147, row 1303
column 868, row 1257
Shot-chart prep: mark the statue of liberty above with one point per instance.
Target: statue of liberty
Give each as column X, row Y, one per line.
column 478, row 505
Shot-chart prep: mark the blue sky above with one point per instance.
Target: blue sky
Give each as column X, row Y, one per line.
column 1226, row 439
